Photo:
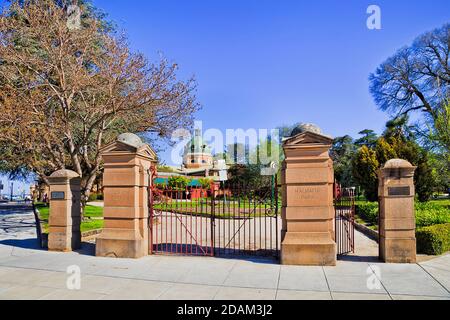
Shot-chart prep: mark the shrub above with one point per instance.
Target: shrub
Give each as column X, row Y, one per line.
column 424, row 179
column 178, row 182
column 92, row 197
column 427, row 213
column 160, row 185
column 100, row 196
column 364, row 169
column 431, row 213
column 205, row 183
column 368, row 211
column 433, row 240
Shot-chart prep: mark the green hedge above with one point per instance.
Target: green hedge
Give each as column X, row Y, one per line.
column 427, row 214
column 432, row 213
column 95, row 196
column 433, row 240
column 368, row 211
column 92, row 197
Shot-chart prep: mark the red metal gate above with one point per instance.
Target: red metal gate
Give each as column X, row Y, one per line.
column 344, row 204
column 178, row 225
column 225, row 219
column 246, row 219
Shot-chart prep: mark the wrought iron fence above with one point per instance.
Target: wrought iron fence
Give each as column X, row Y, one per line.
column 344, row 203
column 226, row 219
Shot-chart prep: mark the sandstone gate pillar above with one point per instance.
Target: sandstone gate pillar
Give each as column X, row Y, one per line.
column 125, row 181
column 307, row 208
column 65, row 211
column 397, row 221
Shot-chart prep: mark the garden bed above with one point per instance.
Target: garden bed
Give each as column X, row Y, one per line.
column 427, row 214
column 432, row 222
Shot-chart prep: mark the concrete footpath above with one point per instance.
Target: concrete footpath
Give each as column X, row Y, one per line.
column 27, row 272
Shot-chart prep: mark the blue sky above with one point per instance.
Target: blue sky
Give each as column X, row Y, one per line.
column 264, row 63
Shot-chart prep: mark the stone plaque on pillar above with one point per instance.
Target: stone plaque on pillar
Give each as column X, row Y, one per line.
column 65, row 211
column 397, row 220
column 125, row 186
column 307, row 207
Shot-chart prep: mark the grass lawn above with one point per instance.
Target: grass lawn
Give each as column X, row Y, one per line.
column 92, row 215
column 230, row 202
column 91, row 225
column 230, row 208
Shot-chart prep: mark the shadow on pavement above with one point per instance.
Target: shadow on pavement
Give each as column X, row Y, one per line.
column 15, row 208
column 352, row 258
column 87, row 248
column 32, row 243
column 253, row 259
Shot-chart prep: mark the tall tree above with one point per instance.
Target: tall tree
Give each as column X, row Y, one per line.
column 440, row 133
column 238, row 153
column 399, row 128
column 384, row 151
column 66, row 92
column 393, row 144
column 417, row 77
column 369, row 138
column 440, row 164
column 365, row 166
column 342, row 153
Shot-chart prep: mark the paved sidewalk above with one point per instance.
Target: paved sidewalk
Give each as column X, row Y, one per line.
column 17, row 221
column 33, row 274
column 29, row 273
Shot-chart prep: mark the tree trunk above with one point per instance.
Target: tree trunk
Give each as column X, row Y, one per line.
column 83, row 207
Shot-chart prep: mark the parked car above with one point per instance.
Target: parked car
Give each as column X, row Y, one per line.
column 17, row 198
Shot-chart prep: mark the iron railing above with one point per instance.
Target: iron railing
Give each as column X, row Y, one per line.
column 344, row 203
column 226, row 219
